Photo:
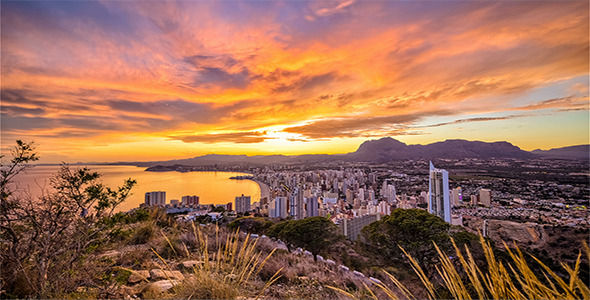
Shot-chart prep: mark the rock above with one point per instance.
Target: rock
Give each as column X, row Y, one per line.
column 357, row 273
column 375, row 280
column 157, row 274
column 344, row 268
column 161, row 274
column 137, row 276
column 166, row 284
column 189, row 264
column 176, row 275
column 111, row 254
column 151, row 290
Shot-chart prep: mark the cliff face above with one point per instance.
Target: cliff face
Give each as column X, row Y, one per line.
column 386, row 149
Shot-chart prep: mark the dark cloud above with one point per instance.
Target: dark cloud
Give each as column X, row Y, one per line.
column 19, row 110
column 179, row 110
column 220, row 77
column 203, row 61
column 307, row 83
column 10, row 123
column 20, row 96
column 216, row 70
column 468, row 120
column 356, row 127
column 563, row 103
column 234, row 137
column 278, row 75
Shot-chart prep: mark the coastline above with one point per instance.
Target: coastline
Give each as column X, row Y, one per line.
column 264, row 189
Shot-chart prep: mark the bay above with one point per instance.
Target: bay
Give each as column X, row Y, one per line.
column 211, row 187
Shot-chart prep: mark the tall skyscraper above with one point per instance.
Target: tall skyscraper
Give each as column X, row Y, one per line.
column 313, row 206
column 277, row 208
column 242, row 204
column 296, row 204
column 155, row 198
column 438, row 188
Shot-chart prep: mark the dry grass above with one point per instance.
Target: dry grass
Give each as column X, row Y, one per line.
column 229, row 265
column 515, row 280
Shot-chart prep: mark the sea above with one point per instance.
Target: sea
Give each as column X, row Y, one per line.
column 211, row 187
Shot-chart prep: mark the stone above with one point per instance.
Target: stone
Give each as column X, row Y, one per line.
column 157, row 274
column 375, row 280
column 111, row 254
column 189, row 264
column 161, row 274
column 137, row 276
column 176, row 275
column 166, row 284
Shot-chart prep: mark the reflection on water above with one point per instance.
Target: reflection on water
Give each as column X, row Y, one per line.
column 211, row 187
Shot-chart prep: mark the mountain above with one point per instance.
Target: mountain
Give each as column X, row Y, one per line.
column 387, row 149
column 381, row 150
column 571, row 152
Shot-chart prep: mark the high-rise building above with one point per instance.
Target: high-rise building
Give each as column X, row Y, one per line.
column 312, row 206
column 296, row 204
column 438, row 187
column 155, row 198
column 242, row 204
column 190, row 200
column 485, row 197
column 456, row 196
column 277, row 208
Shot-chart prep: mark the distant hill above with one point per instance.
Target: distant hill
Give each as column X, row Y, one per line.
column 381, row 150
column 571, row 152
column 387, row 149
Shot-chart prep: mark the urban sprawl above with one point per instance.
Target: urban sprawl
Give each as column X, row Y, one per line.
column 549, row 192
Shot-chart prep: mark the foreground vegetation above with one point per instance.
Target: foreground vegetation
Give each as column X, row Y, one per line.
column 70, row 244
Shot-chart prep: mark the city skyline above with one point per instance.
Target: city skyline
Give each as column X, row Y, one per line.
column 145, row 81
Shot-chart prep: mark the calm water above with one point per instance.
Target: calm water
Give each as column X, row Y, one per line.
column 211, row 187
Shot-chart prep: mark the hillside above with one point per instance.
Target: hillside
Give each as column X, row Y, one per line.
column 381, row 150
column 571, row 152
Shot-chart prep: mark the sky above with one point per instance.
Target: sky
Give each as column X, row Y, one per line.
column 153, row 80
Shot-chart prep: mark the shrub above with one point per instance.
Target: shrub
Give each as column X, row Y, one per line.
column 143, row 234
column 45, row 238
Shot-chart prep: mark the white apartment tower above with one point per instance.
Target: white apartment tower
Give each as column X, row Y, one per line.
column 438, row 188
column 155, row 198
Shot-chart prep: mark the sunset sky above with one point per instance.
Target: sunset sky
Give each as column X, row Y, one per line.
column 152, row 80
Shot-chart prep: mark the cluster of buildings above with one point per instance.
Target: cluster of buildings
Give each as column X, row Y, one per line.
column 354, row 196
column 188, row 202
